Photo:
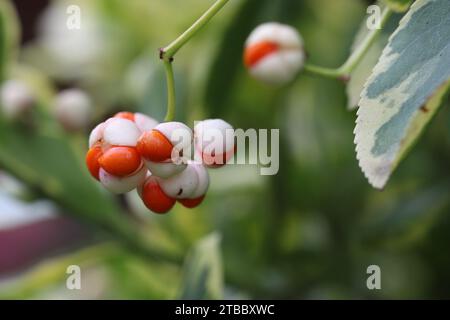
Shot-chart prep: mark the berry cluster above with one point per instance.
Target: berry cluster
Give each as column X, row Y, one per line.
column 133, row 151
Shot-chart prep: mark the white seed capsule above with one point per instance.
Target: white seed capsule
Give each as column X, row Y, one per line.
column 214, row 141
column 179, row 134
column 96, row 134
column 16, row 98
column 182, row 185
column 274, row 53
column 73, row 108
column 120, row 185
column 165, row 169
column 140, row 186
column 144, row 122
column 121, row 132
column 203, row 180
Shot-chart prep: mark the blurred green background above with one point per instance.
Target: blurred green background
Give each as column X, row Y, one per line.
column 311, row 231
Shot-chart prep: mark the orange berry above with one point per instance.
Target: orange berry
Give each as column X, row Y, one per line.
column 254, row 53
column 155, row 199
column 92, row 158
column 125, row 115
column 120, row 161
column 191, row 203
column 154, row 146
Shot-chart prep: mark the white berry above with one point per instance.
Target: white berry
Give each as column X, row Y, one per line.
column 73, row 108
column 96, row 134
column 16, row 98
column 280, row 65
column 165, row 169
column 182, row 185
column 120, row 185
column 203, row 180
column 121, row 132
column 214, row 141
column 179, row 134
column 144, row 122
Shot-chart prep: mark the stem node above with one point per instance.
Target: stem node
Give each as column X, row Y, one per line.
column 167, row 53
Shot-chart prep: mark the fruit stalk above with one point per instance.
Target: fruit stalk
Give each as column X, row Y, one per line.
column 171, row 97
column 167, row 53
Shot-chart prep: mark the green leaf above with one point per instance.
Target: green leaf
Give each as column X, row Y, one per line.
column 49, row 162
column 203, row 275
column 405, row 89
column 398, row 5
column 2, row 45
column 52, row 272
column 9, row 35
column 364, row 68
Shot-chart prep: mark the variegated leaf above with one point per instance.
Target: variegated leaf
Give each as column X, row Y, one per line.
column 203, row 274
column 364, row 68
column 404, row 90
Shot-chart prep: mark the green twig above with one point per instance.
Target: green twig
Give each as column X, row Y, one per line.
column 353, row 60
column 322, row 71
column 171, row 98
column 167, row 53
